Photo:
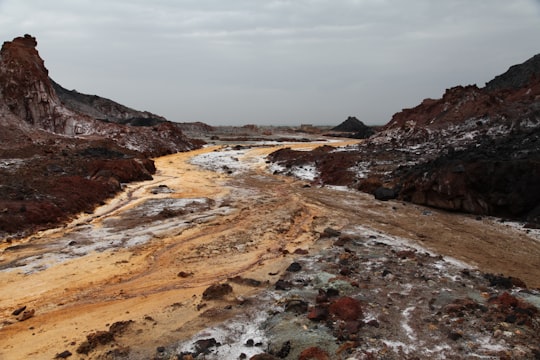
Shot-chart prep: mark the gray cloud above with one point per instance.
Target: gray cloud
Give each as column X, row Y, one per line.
column 277, row 61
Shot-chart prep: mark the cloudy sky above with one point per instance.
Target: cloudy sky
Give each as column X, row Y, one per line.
column 274, row 62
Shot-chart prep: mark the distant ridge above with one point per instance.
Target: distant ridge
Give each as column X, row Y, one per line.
column 517, row 76
column 104, row 109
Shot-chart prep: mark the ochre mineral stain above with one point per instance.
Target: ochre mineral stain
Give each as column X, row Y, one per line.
column 249, row 228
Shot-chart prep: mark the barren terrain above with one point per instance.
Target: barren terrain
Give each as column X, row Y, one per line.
column 137, row 268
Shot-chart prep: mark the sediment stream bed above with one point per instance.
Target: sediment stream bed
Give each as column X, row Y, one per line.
column 217, row 258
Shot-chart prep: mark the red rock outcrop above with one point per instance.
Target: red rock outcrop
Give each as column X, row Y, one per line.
column 24, row 85
column 27, row 92
column 57, row 160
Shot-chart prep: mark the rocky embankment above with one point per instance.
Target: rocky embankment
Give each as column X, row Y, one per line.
column 474, row 150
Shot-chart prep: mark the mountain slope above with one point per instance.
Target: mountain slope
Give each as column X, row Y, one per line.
column 27, row 92
column 475, row 150
column 105, row 109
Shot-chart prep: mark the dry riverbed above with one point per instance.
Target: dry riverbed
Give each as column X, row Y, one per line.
column 217, row 258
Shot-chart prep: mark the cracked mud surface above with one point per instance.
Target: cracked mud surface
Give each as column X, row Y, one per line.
column 128, row 281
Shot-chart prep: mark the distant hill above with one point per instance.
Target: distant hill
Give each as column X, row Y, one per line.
column 355, row 126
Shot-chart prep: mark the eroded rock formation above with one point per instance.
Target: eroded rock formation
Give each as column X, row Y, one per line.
column 474, row 150
column 63, row 152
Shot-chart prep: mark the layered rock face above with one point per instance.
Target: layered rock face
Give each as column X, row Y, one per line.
column 25, row 88
column 62, row 152
column 494, row 176
column 28, row 93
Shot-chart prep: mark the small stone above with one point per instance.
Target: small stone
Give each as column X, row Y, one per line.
column 343, row 240
column 315, row 353
column 283, row 285
column 184, row 274
column 263, row 357
column 296, row 306
column 18, row 311
column 285, row 350
column 373, row 323
column 329, row 232
column 318, row 313
column 27, row 314
column 216, row 291
column 63, row 355
column 346, row 309
column 294, row 267
column 203, row 346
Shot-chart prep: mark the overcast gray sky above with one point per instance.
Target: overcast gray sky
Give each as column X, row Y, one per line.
column 274, row 62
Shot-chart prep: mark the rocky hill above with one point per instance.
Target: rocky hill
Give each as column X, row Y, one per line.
column 62, row 152
column 105, row 109
column 517, row 76
column 358, row 129
column 27, row 92
column 474, row 150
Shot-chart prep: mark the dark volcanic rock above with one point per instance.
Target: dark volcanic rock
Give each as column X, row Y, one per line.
column 203, row 346
column 63, row 355
column 294, row 267
column 217, row 291
column 93, row 340
column 384, row 194
column 517, row 76
column 104, row 109
column 353, row 125
column 474, row 150
column 263, row 357
column 495, row 177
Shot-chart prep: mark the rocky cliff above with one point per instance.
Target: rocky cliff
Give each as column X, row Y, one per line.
column 62, row 152
column 27, row 92
column 485, row 147
column 25, row 89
